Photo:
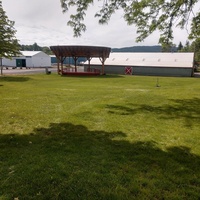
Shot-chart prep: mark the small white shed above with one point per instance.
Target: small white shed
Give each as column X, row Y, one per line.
column 29, row 59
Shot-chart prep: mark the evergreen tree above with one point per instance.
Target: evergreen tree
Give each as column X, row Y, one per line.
column 9, row 45
column 195, row 27
column 36, row 47
column 170, row 47
column 187, row 48
column 195, row 47
column 180, row 47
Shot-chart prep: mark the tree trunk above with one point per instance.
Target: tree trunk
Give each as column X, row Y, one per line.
column 1, row 66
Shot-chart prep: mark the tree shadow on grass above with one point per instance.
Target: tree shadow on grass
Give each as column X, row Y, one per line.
column 67, row 161
column 14, row 79
column 187, row 109
column 99, row 76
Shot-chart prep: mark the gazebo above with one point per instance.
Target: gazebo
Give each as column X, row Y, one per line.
column 89, row 52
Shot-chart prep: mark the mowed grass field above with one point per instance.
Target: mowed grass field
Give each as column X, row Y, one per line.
column 107, row 137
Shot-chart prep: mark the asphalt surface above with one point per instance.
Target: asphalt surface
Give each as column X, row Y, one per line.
column 197, row 74
column 27, row 71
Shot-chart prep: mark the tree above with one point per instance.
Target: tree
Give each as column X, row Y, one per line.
column 35, row 47
column 180, row 46
column 147, row 15
column 169, row 47
column 187, row 48
column 9, row 45
column 195, row 27
column 195, row 47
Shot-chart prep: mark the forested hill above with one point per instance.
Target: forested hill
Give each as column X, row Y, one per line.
column 155, row 48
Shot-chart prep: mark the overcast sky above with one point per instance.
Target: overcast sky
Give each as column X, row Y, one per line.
column 43, row 22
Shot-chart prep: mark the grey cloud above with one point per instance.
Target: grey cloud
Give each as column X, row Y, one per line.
column 42, row 21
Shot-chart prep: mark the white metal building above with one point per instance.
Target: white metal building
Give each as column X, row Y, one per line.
column 29, row 59
column 163, row 64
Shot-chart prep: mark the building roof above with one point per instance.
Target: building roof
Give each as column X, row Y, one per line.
column 148, row 59
column 29, row 53
column 81, row 51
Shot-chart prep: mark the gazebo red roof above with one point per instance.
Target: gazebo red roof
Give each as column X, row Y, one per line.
column 81, row 51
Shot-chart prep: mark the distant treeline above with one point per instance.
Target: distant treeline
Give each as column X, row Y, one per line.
column 193, row 47
column 35, row 47
column 156, row 48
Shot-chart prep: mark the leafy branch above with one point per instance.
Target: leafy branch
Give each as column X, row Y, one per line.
column 147, row 15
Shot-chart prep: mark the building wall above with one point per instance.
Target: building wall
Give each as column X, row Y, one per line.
column 8, row 62
column 68, row 60
column 41, row 61
column 29, row 61
column 146, row 71
column 163, row 71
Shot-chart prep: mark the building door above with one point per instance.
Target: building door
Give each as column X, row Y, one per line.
column 128, row 70
column 21, row 63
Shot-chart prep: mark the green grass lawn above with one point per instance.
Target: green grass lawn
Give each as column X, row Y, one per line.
column 107, row 137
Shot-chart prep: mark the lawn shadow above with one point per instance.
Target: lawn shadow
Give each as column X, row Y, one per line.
column 67, row 161
column 111, row 76
column 187, row 109
column 14, row 79
column 99, row 76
